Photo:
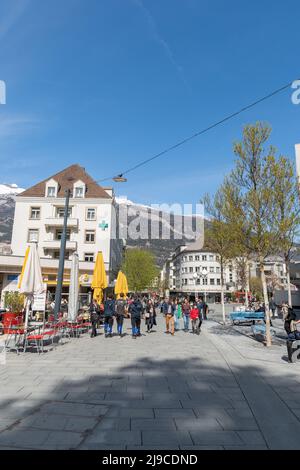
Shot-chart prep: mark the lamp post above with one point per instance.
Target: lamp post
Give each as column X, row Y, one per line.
column 204, row 275
column 61, row 264
column 196, row 276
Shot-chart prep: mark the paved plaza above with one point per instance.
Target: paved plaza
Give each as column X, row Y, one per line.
column 219, row 390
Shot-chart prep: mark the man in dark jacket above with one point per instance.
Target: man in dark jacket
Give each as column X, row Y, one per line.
column 136, row 310
column 94, row 317
column 109, row 312
column 121, row 311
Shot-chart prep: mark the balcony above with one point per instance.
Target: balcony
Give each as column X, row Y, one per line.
column 55, row 245
column 59, row 221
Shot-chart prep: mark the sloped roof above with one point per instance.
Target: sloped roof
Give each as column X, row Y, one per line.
column 66, row 179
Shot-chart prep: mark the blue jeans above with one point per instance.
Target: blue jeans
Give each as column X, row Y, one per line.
column 186, row 321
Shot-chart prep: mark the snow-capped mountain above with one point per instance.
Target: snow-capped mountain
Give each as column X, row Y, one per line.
column 10, row 189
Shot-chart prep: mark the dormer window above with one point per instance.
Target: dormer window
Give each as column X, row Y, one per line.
column 79, row 192
column 79, row 189
column 51, row 191
column 51, row 188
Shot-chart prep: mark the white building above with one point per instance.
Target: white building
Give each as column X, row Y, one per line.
column 39, row 215
column 193, row 270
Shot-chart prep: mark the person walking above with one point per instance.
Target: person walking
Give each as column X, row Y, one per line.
column 135, row 310
column 121, row 312
column 290, row 326
column 150, row 315
column 272, row 306
column 186, row 308
column 169, row 316
column 200, row 312
column 94, row 317
column 194, row 316
column 109, row 312
column 205, row 310
column 177, row 314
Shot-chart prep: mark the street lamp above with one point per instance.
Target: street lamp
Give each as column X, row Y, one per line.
column 196, row 276
column 204, row 275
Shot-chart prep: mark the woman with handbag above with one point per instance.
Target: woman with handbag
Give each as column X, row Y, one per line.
column 150, row 315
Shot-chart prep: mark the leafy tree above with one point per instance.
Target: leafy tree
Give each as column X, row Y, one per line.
column 140, row 269
column 286, row 211
column 219, row 235
column 254, row 180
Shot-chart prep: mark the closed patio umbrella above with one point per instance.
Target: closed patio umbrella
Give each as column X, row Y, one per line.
column 99, row 281
column 121, row 286
column 31, row 279
column 74, row 289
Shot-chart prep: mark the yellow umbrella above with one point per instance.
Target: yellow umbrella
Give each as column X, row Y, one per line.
column 99, row 281
column 121, row 286
column 24, row 266
column 125, row 284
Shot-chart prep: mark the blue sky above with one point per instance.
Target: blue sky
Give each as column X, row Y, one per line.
column 107, row 83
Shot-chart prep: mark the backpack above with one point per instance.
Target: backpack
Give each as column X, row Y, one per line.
column 120, row 307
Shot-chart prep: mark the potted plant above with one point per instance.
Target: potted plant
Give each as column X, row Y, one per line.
column 14, row 303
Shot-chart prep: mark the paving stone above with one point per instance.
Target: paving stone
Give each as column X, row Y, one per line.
column 58, row 422
column 130, row 412
column 152, row 424
column 196, row 424
column 115, row 438
column 174, row 413
column 74, row 409
column 216, row 438
column 166, row 438
column 252, row 437
column 115, row 424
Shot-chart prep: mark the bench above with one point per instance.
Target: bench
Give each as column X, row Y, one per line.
column 246, row 317
column 260, row 330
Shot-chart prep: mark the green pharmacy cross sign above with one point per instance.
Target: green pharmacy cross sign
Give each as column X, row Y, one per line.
column 103, row 225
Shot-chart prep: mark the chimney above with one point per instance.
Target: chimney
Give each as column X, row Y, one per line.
column 297, row 147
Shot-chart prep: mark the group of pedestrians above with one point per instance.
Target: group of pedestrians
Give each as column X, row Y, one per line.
column 178, row 313
column 120, row 309
column 177, row 310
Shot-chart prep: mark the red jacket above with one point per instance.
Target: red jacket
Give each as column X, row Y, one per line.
column 194, row 314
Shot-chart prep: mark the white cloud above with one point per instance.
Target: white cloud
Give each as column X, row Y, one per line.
column 12, row 16
column 13, row 125
column 158, row 37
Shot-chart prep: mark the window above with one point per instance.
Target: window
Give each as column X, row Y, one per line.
column 212, row 282
column 59, row 234
column 218, row 270
column 57, row 253
column 79, row 192
column 91, row 214
column 198, row 281
column 217, row 258
column 184, row 258
column 185, row 270
column 204, row 258
column 197, row 269
column 197, row 258
column 60, row 212
column 218, row 282
column 190, row 258
column 205, row 281
column 33, row 235
column 89, row 257
column 35, row 213
column 51, row 191
column 90, row 236
column 191, row 270
column 211, row 257
column 185, row 282
column 211, row 269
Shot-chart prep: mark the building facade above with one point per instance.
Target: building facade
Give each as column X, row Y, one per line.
column 196, row 271
column 39, row 217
